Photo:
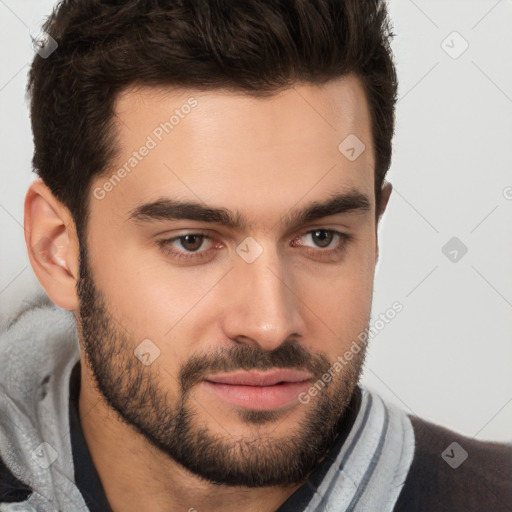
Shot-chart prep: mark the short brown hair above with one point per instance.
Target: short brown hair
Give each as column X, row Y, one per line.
column 254, row 46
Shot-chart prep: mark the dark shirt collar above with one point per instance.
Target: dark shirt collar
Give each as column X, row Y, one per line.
column 91, row 488
column 86, row 476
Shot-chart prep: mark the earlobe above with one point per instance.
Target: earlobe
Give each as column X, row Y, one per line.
column 52, row 244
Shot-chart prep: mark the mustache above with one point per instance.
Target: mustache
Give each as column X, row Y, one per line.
column 242, row 357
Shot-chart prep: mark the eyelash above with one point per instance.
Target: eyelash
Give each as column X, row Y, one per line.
column 165, row 245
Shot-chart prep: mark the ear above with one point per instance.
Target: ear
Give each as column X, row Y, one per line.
column 385, row 194
column 52, row 245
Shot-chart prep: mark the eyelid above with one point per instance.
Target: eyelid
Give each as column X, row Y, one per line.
column 205, row 235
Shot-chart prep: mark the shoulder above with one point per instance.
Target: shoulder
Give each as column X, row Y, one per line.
column 12, row 490
column 38, row 347
column 33, row 338
column 452, row 472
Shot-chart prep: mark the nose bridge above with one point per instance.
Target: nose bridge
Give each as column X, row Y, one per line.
column 263, row 309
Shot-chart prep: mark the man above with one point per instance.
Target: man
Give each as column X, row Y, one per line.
column 212, row 176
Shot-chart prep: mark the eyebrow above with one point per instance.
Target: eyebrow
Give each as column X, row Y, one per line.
column 174, row 209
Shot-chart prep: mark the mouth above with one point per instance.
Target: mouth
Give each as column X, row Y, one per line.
column 259, row 390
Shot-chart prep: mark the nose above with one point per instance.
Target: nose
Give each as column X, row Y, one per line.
column 262, row 307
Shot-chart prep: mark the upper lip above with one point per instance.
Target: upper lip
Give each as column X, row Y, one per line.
column 259, row 378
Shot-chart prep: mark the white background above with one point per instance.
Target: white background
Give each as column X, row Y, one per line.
column 447, row 356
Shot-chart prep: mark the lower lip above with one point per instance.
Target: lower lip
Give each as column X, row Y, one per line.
column 259, row 398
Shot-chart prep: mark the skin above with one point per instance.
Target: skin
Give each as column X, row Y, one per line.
column 263, row 158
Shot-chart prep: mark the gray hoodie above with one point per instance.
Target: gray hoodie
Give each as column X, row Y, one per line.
column 37, row 353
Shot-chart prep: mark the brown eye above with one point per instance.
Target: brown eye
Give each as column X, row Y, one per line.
column 191, row 242
column 193, row 247
column 322, row 237
column 325, row 245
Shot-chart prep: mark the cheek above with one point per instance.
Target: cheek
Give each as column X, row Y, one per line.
column 151, row 298
column 340, row 298
column 138, row 297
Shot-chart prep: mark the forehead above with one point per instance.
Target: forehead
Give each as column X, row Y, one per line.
column 336, row 106
column 226, row 148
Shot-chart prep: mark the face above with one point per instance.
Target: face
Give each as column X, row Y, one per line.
column 227, row 272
